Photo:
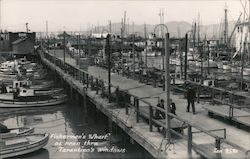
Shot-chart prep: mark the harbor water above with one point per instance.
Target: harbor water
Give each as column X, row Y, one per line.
column 64, row 123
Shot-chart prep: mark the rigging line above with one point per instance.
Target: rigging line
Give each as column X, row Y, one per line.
column 244, row 8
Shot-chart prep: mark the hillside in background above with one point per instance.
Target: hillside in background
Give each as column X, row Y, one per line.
column 175, row 28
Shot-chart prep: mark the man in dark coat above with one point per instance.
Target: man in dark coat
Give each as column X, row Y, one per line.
column 159, row 114
column 191, row 95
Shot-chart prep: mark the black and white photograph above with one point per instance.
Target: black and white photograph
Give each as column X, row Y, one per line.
column 125, row 79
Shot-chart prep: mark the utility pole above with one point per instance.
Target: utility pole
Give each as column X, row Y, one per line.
column 109, row 65
column 167, row 86
column 186, row 51
column 133, row 50
column 64, row 46
column 146, row 46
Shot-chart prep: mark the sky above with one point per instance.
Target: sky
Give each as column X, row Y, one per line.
column 80, row 14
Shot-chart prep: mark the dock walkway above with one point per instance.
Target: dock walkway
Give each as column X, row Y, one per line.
column 201, row 119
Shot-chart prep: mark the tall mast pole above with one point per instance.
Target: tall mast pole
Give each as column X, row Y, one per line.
column 124, row 27
column 194, row 35
column 248, row 31
column 64, row 47
column 146, row 45
column 47, row 34
column 110, row 27
column 0, row 16
column 226, row 29
column 133, row 50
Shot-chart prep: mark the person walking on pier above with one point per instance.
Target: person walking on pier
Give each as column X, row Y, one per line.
column 191, row 95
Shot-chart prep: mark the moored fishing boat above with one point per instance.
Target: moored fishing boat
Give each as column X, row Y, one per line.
column 16, row 131
column 8, row 101
column 22, row 144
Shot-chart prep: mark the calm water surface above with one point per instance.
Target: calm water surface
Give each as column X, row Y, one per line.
column 68, row 119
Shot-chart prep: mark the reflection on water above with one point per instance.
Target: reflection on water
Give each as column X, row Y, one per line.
column 68, row 120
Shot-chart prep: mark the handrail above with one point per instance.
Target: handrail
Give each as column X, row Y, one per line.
column 190, row 124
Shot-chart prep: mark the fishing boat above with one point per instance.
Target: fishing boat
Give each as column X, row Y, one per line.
column 35, row 86
column 22, row 144
column 16, row 131
column 8, row 101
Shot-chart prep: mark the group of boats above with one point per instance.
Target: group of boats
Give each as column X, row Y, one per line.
column 25, row 84
column 19, row 141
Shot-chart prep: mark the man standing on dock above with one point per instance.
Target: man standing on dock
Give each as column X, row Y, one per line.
column 191, row 95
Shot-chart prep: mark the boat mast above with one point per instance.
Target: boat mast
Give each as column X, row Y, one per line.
column 248, row 32
column 146, row 52
column 226, row 29
column 0, row 17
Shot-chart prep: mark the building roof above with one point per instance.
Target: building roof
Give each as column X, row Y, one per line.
column 19, row 41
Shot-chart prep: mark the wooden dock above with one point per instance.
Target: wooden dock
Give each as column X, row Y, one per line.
column 143, row 98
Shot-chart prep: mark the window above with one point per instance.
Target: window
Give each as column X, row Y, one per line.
column 24, row 91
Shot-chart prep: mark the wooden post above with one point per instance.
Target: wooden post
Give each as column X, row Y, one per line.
column 102, row 88
column 125, row 101
column 150, row 118
column 83, row 78
column 91, row 82
column 190, row 138
column 85, row 106
column 221, row 94
column 217, row 143
column 117, row 96
column 198, row 93
column 137, row 109
column 154, row 82
column 186, row 52
column 97, row 86
column 110, row 123
column 163, row 81
column 87, row 80
column 167, row 86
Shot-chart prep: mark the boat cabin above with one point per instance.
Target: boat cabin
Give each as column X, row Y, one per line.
column 24, row 92
column 24, row 83
column 208, row 83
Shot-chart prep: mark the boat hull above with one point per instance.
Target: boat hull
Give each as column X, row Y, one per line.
column 16, row 132
column 56, row 101
column 25, row 149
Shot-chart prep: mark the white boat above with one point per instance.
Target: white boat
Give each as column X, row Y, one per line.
column 17, row 131
column 9, row 102
column 246, row 71
column 226, row 65
column 43, row 85
column 22, row 144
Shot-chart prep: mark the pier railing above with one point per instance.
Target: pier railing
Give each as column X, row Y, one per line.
column 143, row 109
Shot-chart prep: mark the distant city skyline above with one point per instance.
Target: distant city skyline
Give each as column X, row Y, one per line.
column 79, row 15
